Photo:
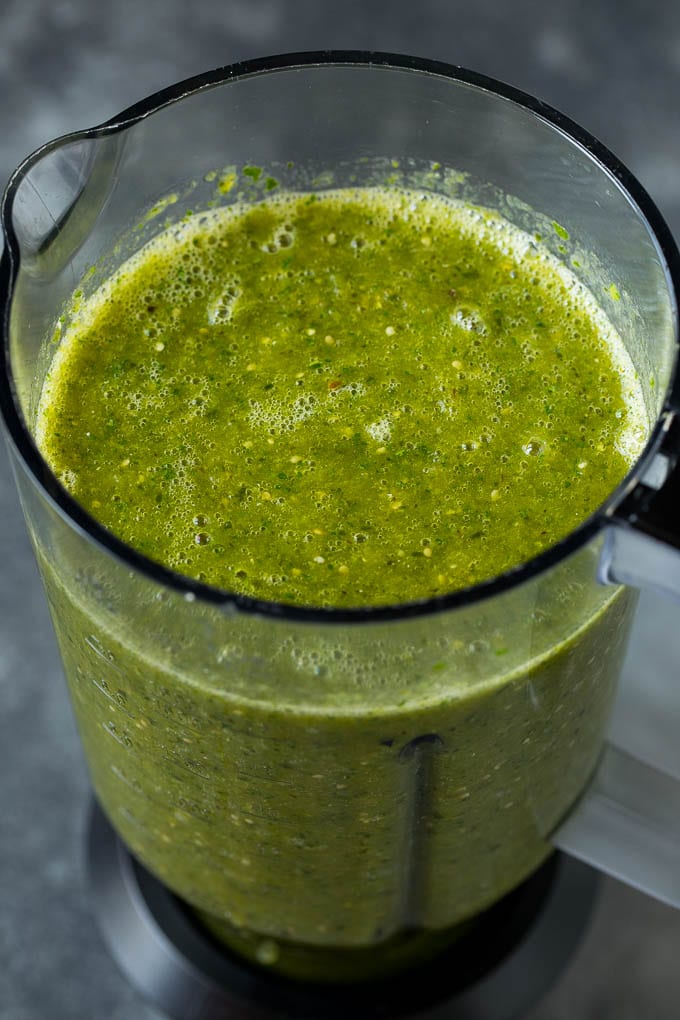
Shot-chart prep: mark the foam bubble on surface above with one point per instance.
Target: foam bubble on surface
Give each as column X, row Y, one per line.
column 221, row 305
column 380, row 430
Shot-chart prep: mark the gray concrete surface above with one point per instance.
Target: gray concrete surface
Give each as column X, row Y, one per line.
column 66, row 64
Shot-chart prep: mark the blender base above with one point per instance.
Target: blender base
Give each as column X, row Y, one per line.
column 501, row 970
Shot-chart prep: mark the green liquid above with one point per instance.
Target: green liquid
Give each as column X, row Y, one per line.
column 361, row 399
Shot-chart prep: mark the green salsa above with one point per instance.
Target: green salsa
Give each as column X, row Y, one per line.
column 353, row 399
column 337, row 399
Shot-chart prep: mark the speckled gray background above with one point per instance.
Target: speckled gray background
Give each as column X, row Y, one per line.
column 66, row 64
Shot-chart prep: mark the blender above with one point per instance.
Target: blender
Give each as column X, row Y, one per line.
column 420, row 877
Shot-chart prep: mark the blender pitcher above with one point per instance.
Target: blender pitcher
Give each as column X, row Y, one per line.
column 336, row 793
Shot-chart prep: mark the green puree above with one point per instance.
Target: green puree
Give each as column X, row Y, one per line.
column 348, row 398
column 344, row 400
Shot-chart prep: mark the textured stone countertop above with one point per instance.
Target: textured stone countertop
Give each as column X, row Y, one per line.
column 67, row 64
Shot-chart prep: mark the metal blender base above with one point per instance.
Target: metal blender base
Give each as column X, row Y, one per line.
column 498, row 973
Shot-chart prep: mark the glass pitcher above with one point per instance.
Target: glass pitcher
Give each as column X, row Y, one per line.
column 337, row 793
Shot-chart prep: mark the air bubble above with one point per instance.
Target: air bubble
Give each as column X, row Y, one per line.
column 221, row 307
column 469, row 319
column 281, row 239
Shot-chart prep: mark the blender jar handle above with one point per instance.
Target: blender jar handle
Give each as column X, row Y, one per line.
column 627, row 823
column 642, row 542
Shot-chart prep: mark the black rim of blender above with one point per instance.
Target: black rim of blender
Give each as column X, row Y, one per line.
column 79, row 518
